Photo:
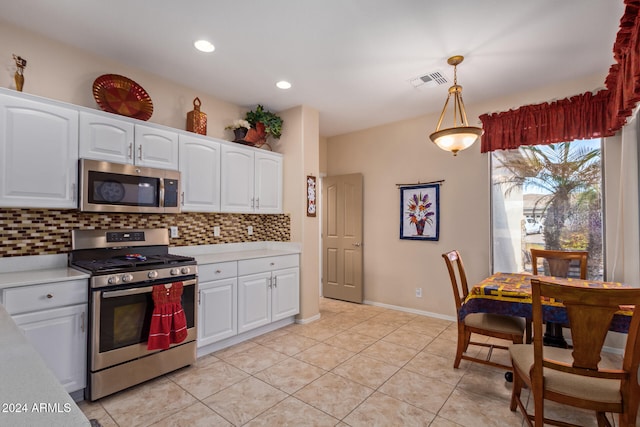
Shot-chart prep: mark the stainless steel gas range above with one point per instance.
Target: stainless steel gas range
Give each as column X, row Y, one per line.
column 125, row 266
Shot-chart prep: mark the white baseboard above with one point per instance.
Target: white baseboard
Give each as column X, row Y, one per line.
column 411, row 310
column 308, row 319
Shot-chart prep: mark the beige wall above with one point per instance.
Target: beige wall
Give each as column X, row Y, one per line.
column 323, row 155
column 402, row 153
column 66, row 74
column 300, row 146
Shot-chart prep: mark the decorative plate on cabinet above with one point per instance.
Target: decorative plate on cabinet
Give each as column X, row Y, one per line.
column 121, row 95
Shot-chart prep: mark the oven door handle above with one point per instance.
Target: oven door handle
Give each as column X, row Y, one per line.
column 136, row 291
column 125, row 292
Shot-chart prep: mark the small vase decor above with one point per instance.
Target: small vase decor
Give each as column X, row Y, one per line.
column 240, row 127
column 196, row 119
column 21, row 64
column 419, row 213
column 258, row 125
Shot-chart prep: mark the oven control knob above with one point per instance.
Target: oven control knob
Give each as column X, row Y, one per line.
column 152, row 274
column 175, row 271
column 185, row 270
column 127, row 277
column 112, row 280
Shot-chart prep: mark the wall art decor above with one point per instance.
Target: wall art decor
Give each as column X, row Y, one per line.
column 420, row 212
column 311, row 195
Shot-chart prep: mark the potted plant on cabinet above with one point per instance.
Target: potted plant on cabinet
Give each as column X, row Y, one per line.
column 272, row 122
column 262, row 124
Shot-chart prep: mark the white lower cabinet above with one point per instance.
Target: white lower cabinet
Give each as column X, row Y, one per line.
column 60, row 336
column 217, row 302
column 268, row 290
column 53, row 317
column 238, row 296
column 254, row 301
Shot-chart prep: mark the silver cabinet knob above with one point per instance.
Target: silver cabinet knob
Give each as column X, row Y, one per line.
column 357, row 244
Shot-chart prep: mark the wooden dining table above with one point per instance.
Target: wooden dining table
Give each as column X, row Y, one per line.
column 510, row 294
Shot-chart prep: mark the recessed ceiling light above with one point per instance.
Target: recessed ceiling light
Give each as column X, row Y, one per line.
column 204, row 46
column 283, row 84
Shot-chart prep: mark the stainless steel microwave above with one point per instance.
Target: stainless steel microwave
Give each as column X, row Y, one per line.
column 116, row 187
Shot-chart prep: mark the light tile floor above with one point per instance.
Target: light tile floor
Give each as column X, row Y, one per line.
column 358, row 365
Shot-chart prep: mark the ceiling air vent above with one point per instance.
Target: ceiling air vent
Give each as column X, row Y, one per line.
column 430, row 79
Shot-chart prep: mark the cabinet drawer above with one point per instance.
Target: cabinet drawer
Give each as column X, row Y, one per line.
column 259, row 265
column 50, row 295
column 220, row 270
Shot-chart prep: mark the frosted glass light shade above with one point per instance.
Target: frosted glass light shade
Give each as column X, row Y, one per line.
column 457, row 138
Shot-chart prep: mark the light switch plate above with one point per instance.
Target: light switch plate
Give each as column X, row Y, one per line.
column 216, row 231
column 173, row 232
column 250, row 230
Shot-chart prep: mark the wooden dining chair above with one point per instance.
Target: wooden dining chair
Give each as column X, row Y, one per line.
column 573, row 376
column 492, row 325
column 560, row 263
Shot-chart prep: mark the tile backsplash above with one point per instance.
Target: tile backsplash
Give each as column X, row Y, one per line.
column 48, row 231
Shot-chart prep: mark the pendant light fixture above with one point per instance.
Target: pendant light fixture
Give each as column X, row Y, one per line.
column 461, row 135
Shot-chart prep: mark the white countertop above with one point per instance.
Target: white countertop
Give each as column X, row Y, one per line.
column 30, row 394
column 35, row 270
column 210, row 254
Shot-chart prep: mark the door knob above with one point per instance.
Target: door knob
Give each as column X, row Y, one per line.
column 357, row 244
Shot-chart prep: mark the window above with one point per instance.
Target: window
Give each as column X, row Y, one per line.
column 547, row 197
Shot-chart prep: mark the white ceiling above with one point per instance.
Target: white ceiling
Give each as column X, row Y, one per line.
column 349, row 59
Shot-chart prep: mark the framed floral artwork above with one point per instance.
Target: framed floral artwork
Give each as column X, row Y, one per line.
column 420, row 212
column 311, row 195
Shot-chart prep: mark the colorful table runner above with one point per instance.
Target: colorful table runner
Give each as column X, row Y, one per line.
column 510, row 294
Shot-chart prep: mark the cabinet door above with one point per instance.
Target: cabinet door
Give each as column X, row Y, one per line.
column 60, row 336
column 285, row 293
column 156, row 148
column 38, row 154
column 105, row 138
column 217, row 314
column 268, row 183
column 254, row 301
column 200, row 169
column 237, row 177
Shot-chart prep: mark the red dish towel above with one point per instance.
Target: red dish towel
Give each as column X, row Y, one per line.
column 168, row 323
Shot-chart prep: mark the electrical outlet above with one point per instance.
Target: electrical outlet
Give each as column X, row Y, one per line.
column 174, row 232
column 216, row 231
column 418, row 292
column 250, row 230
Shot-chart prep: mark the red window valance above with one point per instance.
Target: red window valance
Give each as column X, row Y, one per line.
column 582, row 116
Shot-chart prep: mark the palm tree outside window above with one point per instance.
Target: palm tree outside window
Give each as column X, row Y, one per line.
column 547, row 197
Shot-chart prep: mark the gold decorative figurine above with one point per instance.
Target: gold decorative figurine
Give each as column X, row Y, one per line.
column 21, row 63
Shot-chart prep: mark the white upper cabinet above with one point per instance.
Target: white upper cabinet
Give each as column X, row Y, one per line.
column 38, row 153
column 268, row 183
column 41, row 141
column 236, row 189
column 200, row 173
column 156, row 148
column 106, row 137
column 251, row 181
